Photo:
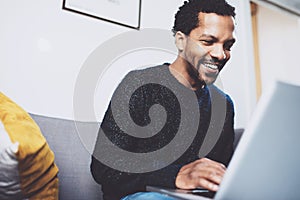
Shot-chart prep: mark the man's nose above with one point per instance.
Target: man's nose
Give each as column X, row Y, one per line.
column 218, row 52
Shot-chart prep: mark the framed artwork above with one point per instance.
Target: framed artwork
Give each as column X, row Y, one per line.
column 122, row 12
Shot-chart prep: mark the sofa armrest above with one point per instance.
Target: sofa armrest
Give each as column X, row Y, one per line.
column 237, row 136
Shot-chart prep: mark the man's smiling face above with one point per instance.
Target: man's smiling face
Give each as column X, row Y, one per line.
column 207, row 47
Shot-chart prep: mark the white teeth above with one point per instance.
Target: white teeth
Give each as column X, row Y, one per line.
column 215, row 67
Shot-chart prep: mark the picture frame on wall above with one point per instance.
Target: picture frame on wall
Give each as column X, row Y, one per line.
column 121, row 12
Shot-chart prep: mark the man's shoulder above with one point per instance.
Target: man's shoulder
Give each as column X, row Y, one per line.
column 142, row 76
column 153, row 74
column 149, row 70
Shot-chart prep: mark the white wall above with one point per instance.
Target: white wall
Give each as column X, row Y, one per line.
column 279, row 40
column 44, row 47
column 239, row 76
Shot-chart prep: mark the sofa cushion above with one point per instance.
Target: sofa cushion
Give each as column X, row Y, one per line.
column 10, row 185
column 27, row 163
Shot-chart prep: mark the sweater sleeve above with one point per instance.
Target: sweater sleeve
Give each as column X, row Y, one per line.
column 115, row 183
column 127, row 183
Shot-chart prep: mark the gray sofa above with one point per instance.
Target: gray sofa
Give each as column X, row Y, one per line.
column 72, row 158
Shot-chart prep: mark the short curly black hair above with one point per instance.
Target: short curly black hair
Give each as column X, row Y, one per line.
column 186, row 19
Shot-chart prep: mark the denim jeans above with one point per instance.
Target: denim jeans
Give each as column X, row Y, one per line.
column 147, row 196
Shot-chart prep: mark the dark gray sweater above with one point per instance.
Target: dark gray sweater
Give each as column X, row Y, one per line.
column 153, row 87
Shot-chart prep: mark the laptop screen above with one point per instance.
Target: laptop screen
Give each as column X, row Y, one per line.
column 266, row 163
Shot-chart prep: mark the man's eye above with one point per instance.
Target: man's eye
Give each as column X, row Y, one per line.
column 207, row 42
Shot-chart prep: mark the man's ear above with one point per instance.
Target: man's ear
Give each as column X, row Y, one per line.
column 180, row 40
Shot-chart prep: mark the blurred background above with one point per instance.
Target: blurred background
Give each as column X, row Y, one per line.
column 43, row 48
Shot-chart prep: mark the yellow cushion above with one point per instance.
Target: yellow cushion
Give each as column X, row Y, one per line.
column 37, row 170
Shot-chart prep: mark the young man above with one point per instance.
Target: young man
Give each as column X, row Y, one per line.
column 204, row 34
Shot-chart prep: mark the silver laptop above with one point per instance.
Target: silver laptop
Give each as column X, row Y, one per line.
column 266, row 163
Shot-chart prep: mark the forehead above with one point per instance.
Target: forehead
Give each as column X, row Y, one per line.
column 215, row 25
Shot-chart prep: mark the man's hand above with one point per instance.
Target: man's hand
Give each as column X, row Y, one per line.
column 203, row 173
